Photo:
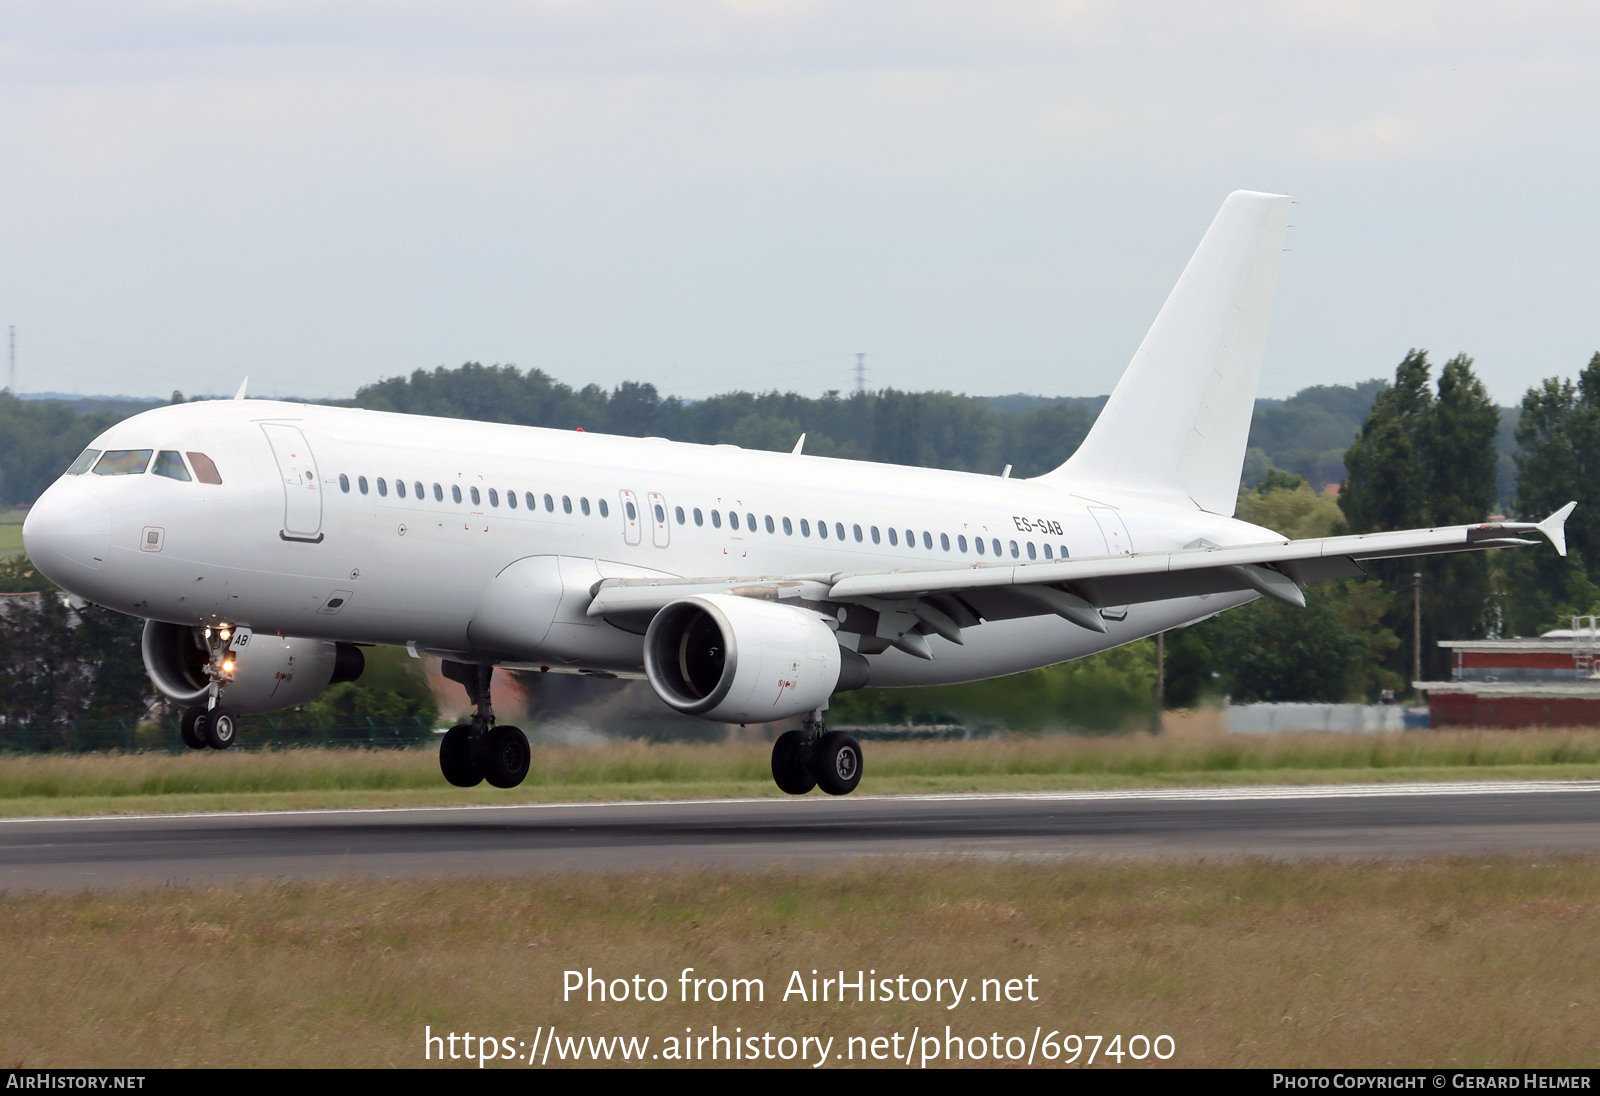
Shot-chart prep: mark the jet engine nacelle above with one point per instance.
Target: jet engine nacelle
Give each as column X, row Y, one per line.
column 738, row 660
column 267, row 672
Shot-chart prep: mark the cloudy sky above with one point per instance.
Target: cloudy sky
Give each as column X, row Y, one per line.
column 718, row 194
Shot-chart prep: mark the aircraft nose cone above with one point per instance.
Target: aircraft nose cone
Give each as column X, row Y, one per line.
column 66, row 534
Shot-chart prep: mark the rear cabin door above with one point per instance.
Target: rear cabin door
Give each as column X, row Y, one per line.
column 1118, row 543
column 302, row 490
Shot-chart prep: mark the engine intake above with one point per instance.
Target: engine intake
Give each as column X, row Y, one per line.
column 269, row 672
column 737, row 660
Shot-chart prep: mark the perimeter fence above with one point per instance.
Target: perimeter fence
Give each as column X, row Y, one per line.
column 262, row 732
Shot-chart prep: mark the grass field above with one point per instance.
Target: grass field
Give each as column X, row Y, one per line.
column 1434, row 963
column 10, row 535
column 1190, row 755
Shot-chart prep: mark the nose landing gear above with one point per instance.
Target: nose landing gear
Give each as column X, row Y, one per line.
column 814, row 757
column 474, row 752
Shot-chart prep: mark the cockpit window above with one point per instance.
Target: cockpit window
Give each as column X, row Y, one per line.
column 123, row 462
column 169, row 464
column 204, row 469
column 81, row 465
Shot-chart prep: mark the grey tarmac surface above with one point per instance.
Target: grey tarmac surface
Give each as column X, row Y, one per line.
column 1359, row 821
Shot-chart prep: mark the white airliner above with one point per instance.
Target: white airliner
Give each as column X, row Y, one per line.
column 266, row 542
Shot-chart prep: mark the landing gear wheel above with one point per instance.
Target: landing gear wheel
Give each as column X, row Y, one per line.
column 455, row 758
column 193, row 728
column 838, row 763
column 221, row 728
column 793, row 767
column 508, row 758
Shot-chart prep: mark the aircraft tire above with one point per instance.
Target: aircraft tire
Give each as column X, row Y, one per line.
column 793, row 767
column 193, row 728
column 221, row 728
column 455, row 758
column 509, row 757
column 838, row 763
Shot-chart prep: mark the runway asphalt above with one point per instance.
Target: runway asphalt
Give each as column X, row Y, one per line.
column 1360, row 821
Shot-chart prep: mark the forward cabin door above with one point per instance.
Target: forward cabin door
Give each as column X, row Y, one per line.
column 302, row 489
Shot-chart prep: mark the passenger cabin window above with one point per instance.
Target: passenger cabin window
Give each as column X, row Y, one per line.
column 494, row 497
column 961, row 542
column 605, row 511
column 838, row 527
column 527, row 497
column 677, row 512
column 876, row 538
column 455, row 492
column 583, row 504
column 205, row 469
column 788, row 527
column 822, row 530
column 805, row 527
column 699, row 518
column 978, row 544
column 421, row 494
column 1046, row 551
column 383, row 487
column 857, row 530
column 927, row 540
column 511, row 499
column 716, row 519
column 81, row 465
column 361, row 484
column 1031, row 553
column 944, row 541
column 438, row 493
column 566, row 503
column 733, row 519
column 894, row 538
column 169, row 464
column 477, row 499
column 771, row 528
column 400, row 487
column 550, row 504
column 123, row 462
column 344, row 483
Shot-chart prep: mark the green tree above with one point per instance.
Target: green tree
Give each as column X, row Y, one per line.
column 1558, row 460
column 1425, row 459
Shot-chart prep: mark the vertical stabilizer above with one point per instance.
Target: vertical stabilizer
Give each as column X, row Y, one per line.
column 1176, row 426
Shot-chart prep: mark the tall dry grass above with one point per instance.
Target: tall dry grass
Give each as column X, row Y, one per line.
column 318, row 776
column 1439, row 963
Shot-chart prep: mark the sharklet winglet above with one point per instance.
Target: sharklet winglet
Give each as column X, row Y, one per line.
column 1554, row 527
column 244, row 384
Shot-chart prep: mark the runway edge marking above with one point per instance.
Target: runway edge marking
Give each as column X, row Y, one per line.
column 1209, row 794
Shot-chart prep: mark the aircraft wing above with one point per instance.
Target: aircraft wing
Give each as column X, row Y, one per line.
column 947, row 599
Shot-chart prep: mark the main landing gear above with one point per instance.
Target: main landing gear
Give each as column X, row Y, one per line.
column 815, row 757
column 474, row 752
